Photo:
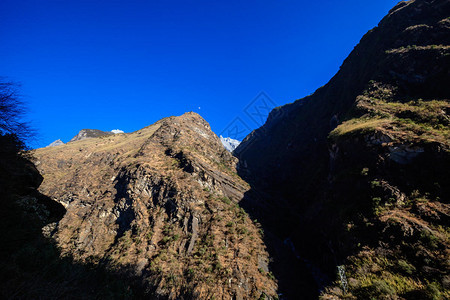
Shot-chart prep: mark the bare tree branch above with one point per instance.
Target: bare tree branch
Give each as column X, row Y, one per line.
column 12, row 111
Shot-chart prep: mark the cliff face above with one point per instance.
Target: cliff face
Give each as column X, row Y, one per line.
column 357, row 174
column 30, row 265
column 161, row 205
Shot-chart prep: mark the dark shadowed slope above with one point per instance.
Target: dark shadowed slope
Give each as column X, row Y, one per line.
column 358, row 173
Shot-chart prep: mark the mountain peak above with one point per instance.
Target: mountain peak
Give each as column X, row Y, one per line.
column 56, row 143
column 229, row 143
column 90, row 133
column 167, row 195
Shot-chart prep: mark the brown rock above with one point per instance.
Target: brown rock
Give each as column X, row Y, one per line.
column 161, row 201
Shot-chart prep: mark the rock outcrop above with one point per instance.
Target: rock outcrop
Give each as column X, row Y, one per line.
column 162, row 205
column 30, row 264
column 90, row 133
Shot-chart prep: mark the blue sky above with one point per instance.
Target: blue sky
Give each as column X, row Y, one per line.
column 126, row 64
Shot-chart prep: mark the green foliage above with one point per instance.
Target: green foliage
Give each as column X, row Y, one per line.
column 225, row 199
column 270, row 275
column 429, row 239
column 357, row 126
column 262, row 297
column 242, row 230
column 375, row 183
column 165, row 239
column 405, row 267
column 383, row 288
column 365, row 171
column 433, row 292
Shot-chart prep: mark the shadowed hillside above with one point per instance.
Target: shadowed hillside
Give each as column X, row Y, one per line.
column 357, row 174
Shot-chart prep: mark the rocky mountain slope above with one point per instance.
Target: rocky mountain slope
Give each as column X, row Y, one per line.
column 357, row 174
column 30, row 264
column 161, row 205
column 89, row 133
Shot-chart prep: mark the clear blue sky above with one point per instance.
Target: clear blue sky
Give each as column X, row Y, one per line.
column 109, row 64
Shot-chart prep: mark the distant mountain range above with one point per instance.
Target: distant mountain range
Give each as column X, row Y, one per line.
column 229, row 143
column 85, row 134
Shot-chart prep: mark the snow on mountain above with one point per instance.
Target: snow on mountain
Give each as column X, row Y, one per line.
column 229, row 143
column 116, row 131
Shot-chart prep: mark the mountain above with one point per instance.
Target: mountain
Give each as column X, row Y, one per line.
column 229, row 143
column 90, row 133
column 358, row 174
column 340, row 195
column 161, row 207
column 56, row 143
column 31, row 266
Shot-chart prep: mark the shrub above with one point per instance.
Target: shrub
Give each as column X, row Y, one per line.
column 432, row 291
column 383, row 288
column 429, row 239
column 405, row 267
column 225, row 200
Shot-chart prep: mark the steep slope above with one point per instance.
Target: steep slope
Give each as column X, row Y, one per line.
column 357, row 174
column 161, row 205
column 30, row 265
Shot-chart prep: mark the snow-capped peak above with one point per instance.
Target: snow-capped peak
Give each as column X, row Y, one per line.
column 116, row 131
column 229, row 143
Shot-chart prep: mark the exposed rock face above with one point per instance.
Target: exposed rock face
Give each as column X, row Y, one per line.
column 56, row 143
column 353, row 173
column 90, row 133
column 161, row 204
column 30, row 264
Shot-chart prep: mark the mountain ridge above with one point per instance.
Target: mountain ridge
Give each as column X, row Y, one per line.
column 89, row 133
column 162, row 203
column 348, row 168
column 340, row 195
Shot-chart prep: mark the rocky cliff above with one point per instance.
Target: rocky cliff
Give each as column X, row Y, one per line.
column 161, row 205
column 30, row 264
column 357, row 174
